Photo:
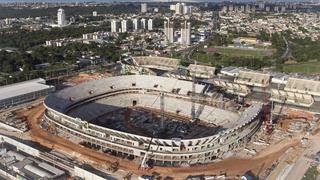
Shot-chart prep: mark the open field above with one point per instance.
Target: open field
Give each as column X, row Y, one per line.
column 234, row 56
column 308, row 68
column 241, row 52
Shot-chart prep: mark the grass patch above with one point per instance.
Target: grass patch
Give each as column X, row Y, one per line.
column 311, row 174
column 224, row 60
column 240, row 52
column 307, row 68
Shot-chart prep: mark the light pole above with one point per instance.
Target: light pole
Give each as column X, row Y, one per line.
column 7, row 79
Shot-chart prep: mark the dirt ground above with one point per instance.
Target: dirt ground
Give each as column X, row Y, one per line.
column 292, row 113
column 82, row 77
column 231, row 166
column 284, row 122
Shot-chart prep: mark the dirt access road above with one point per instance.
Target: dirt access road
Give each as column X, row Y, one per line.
column 232, row 166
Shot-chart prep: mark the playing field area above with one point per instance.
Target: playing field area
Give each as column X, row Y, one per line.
column 308, row 68
column 240, row 52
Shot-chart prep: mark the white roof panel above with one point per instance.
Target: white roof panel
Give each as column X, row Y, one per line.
column 25, row 87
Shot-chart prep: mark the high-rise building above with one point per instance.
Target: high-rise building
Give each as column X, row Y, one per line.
column 179, row 8
column 124, row 26
column 242, row 8
column 168, row 31
column 248, row 8
column 7, row 21
column 61, row 17
column 143, row 23
column 114, row 25
column 224, row 9
column 253, row 8
column 144, row 8
column 72, row 20
column 185, row 33
column 267, row 8
column 94, row 13
column 283, row 9
column 150, row 24
column 172, row 7
column 187, row 10
column 135, row 23
column 230, row 8
column 261, row 5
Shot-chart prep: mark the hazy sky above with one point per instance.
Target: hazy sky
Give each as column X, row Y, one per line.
column 64, row 1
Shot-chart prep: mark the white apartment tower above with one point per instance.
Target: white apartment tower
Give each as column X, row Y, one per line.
column 150, row 24
column 242, row 8
column 135, row 23
column 143, row 23
column 179, row 8
column 7, row 21
column 168, row 31
column 61, row 17
column 231, row 8
column 248, row 8
column 261, row 5
column 187, row 10
column 144, row 8
column 268, row 8
column 124, row 26
column 185, row 33
column 172, row 7
column 94, row 13
column 114, row 25
column 224, row 9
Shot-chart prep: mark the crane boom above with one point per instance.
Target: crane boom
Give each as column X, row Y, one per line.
column 162, row 109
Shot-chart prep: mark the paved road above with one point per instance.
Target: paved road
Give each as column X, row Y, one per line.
column 187, row 53
column 287, row 54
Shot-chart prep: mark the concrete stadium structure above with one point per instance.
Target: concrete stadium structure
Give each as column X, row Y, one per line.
column 82, row 111
column 282, row 91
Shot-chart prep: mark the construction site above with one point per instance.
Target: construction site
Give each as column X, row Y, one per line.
column 146, row 121
column 180, row 126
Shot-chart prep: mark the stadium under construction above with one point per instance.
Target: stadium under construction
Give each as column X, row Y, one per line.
column 183, row 117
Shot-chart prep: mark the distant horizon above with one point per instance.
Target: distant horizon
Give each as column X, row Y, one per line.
column 109, row 1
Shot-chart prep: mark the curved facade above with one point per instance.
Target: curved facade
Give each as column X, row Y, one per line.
column 164, row 152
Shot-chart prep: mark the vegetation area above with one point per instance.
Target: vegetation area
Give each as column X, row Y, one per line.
column 20, row 65
column 311, row 174
column 307, row 68
column 30, row 51
column 226, row 60
column 237, row 52
column 9, row 12
column 12, row 62
column 304, row 50
column 225, row 56
column 305, row 53
column 305, row 56
column 24, row 40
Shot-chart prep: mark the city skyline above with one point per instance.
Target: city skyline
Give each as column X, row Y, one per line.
column 169, row 1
